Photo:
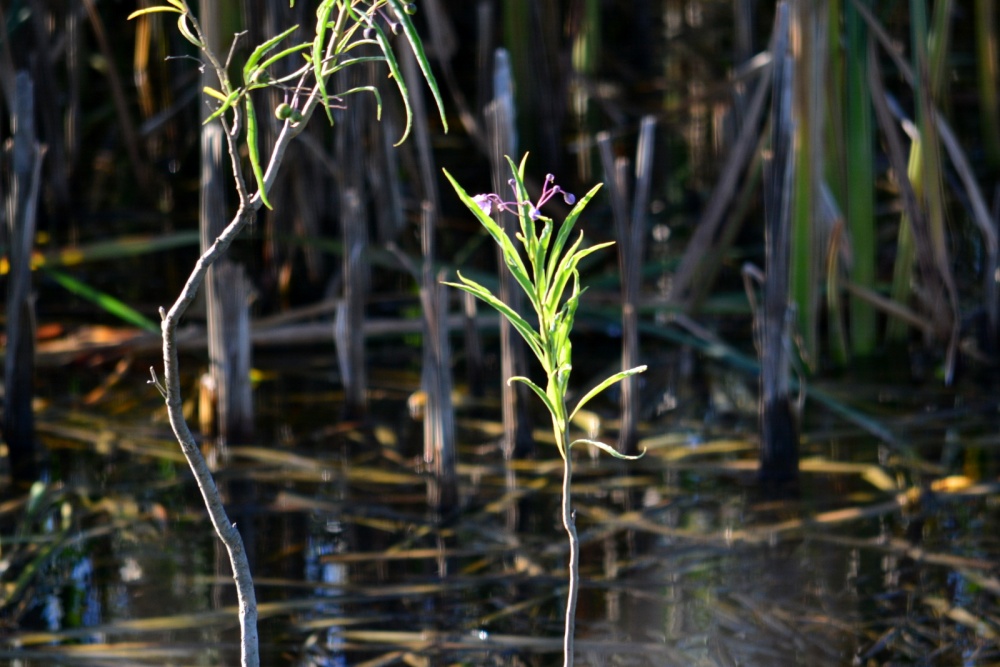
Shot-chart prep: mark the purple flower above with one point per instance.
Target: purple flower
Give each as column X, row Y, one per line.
column 486, row 202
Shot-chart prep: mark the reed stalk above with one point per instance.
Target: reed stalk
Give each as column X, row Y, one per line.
column 805, row 165
column 988, row 70
column 860, row 185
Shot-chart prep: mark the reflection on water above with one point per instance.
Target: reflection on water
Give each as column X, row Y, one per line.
column 113, row 561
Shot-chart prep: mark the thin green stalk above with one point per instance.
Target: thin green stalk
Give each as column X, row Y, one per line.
column 803, row 267
column 860, row 208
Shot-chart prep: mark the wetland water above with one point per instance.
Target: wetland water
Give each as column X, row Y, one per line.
column 879, row 560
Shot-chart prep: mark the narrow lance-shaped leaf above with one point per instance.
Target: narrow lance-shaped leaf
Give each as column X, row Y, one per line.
column 569, row 264
column 227, row 102
column 617, row 377
column 608, row 449
column 521, row 194
column 511, row 257
column 261, row 51
column 367, row 89
column 151, row 10
column 512, row 316
column 565, row 229
column 253, row 150
column 538, row 390
column 185, row 30
column 418, row 50
column 283, row 54
column 103, row 300
column 397, row 75
column 319, row 44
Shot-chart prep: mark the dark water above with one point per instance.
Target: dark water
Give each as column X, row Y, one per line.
column 684, row 562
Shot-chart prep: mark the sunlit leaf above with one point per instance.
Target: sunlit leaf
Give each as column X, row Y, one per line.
column 185, row 30
column 418, row 50
column 617, row 377
column 262, row 50
column 397, row 76
column 367, row 89
column 318, row 45
column 512, row 258
column 538, row 390
column 152, row 10
column 518, row 322
column 608, row 449
column 253, row 150
column 565, row 229
column 227, row 102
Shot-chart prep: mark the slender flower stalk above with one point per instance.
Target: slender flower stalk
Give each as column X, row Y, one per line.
column 545, row 269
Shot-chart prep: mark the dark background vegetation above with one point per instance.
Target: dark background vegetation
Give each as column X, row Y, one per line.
column 891, row 263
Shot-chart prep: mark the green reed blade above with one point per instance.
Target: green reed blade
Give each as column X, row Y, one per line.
column 103, row 300
column 860, row 208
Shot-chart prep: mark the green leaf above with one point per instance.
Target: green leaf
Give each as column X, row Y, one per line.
column 369, row 89
column 538, row 390
column 227, row 102
column 105, row 301
column 617, row 377
column 318, row 45
column 566, row 228
column 523, row 327
column 281, row 54
column 254, row 152
column 261, row 51
column 568, row 265
column 512, row 258
column 521, row 193
column 418, row 50
column 397, row 75
column 151, row 10
column 608, row 449
column 185, row 30
column 562, row 274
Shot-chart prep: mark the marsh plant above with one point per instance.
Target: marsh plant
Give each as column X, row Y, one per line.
column 545, row 268
column 311, row 55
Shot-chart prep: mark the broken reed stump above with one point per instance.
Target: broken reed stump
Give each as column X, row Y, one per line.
column 350, row 158
column 517, row 439
column 779, row 456
column 439, row 416
column 630, row 228
column 229, row 350
column 22, row 164
column 227, row 287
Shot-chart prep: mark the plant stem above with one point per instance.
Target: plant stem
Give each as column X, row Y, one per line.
column 569, row 523
column 225, row 529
